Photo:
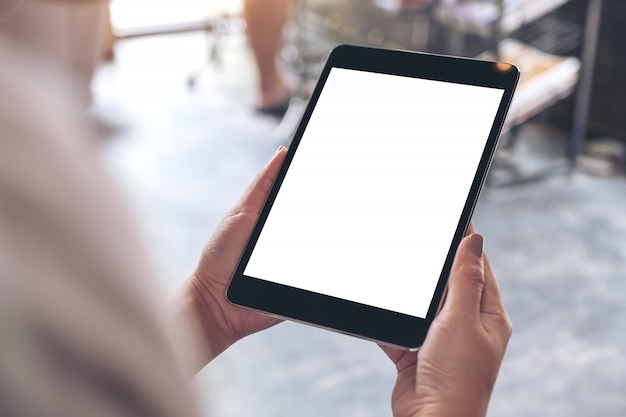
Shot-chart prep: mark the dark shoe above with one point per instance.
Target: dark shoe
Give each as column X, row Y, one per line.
column 277, row 110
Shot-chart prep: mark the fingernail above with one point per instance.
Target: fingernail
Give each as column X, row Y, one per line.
column 476, row 245
column 280, row 148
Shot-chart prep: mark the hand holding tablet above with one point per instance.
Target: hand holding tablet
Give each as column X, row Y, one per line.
column 359, row 232
column 460, row 359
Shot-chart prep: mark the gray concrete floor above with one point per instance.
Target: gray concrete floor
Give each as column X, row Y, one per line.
column 558, row 247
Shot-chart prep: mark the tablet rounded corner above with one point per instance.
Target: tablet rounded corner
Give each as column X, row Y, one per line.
column 230, row 296
column 506, row 68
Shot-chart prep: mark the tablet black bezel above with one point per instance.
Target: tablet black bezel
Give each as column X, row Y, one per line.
column 357, row 319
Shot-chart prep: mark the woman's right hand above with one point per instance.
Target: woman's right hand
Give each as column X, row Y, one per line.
column 454, row 372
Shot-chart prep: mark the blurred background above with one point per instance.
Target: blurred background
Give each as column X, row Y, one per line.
column 175, row 91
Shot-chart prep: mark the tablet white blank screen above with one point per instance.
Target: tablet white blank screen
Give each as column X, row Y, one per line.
column 371, row 201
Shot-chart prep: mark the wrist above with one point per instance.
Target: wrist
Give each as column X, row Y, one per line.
column 194, row 310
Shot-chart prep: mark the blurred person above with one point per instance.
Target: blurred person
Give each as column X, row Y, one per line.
column 265, row 20
column 70, row 37
column 85, row 328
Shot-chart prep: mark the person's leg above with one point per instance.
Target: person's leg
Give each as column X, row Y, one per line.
column 265, row 20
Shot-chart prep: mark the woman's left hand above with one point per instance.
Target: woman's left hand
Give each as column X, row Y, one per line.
column 221, row 323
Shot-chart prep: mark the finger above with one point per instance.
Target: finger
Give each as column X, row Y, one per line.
column 400, row 357
column 394, row 354
column 255, row 195
column 467, row 278
column 494, row 315
column 492, row 300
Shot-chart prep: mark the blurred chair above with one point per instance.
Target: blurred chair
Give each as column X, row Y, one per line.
column 217, row 26
column 420, row 14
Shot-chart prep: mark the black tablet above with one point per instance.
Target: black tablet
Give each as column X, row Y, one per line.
column 359, row 232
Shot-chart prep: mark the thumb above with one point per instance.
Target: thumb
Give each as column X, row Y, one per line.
column 255, row 195
column 467, row 278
